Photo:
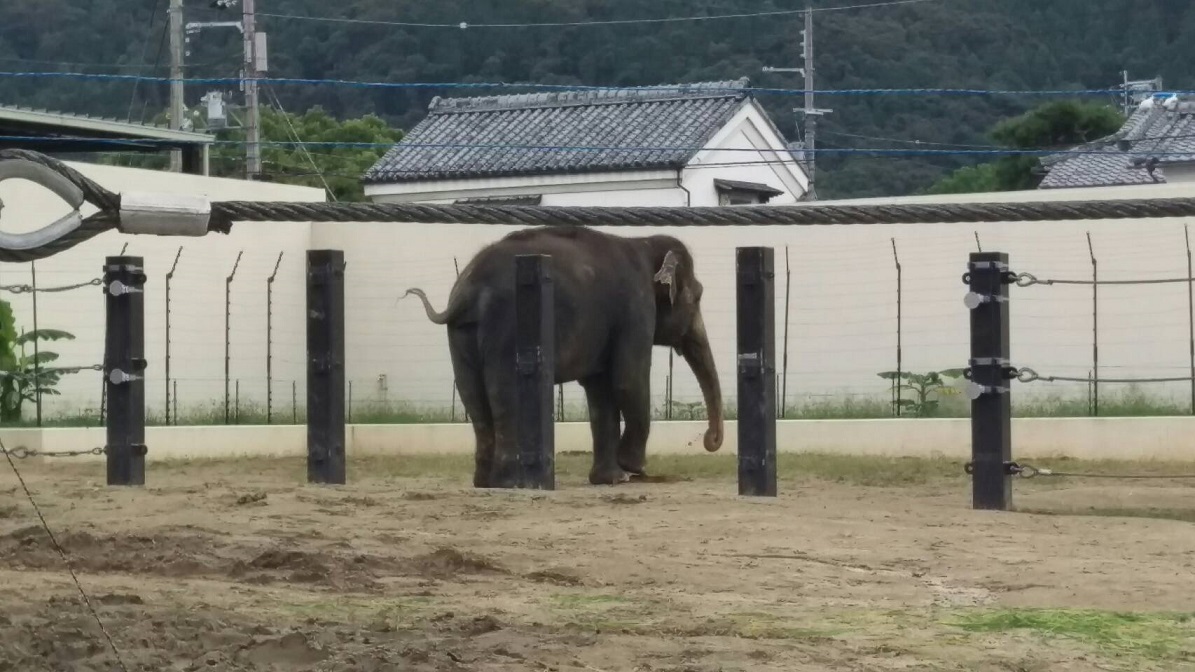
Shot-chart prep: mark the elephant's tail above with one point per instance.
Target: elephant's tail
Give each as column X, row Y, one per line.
column 438, row 318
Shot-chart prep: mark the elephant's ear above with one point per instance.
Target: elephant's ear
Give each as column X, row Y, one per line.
column 667, row 274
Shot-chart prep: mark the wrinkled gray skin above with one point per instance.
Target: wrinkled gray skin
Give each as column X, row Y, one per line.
column 615, row 297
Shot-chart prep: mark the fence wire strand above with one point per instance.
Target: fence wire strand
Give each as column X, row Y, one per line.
column 66, row 561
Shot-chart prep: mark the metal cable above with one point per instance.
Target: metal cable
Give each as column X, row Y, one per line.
column 223, row 214
column 1029, row 471
column 1028, row 280
column 1028, row 375
column 226, row 212
column 62, row 553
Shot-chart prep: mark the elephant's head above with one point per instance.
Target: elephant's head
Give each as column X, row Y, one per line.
column 679, row 324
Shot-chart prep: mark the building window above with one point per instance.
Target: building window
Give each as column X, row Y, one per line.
column 732, row 192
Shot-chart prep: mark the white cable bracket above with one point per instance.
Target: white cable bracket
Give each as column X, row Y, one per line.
column 162, row 214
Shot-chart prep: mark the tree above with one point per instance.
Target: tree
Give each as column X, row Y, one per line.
column 1054, row 125
column 20, row 377
column 336, row 168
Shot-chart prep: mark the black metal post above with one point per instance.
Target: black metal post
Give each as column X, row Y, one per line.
column 1190, row 312
column 270, row 341
column 788, row 281
column 988, row 278
column 1095, row 330
column 124, row 366
column 896, row 388
column 756, row 307
column 325, row 367
column 228, row 330
column 169, row 277
column 535, row 355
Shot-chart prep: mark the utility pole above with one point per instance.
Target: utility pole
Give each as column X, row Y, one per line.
column 252, row 119
column 811, row 113
column 176, row 78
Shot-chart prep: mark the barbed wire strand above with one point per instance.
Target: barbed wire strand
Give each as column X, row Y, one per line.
column 62, row 553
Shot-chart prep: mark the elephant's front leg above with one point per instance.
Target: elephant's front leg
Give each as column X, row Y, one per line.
column 633, row 395
column 603, row 423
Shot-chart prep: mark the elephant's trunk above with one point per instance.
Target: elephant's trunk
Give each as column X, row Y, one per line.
column 695, row 348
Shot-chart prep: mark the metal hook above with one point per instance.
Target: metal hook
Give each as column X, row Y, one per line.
column 46, row 177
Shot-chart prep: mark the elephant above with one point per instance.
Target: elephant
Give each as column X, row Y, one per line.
column 615, row 297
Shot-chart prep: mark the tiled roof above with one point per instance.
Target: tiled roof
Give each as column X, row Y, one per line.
column 645, row 119
column 1164, row 124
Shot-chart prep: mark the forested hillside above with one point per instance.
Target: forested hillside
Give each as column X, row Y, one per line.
column 1012, row 44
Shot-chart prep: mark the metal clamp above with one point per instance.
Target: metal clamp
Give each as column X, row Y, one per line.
column 119, row 377
column 976, row 390
column 1010, row 469
column 973, row 300
column 45, row 177
column 118, row 288
column 164, row 214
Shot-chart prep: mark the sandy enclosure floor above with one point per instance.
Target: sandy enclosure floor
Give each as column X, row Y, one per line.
column 241, row 566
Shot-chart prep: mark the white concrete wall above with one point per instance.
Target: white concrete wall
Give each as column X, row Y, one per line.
column 197, row 292
column 843, row 303
column 1169, row 439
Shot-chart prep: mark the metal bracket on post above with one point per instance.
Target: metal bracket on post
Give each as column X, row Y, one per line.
column 534, row 467
column 325, row 369
column 989, row 373
column 124, row 364
column 755, row 305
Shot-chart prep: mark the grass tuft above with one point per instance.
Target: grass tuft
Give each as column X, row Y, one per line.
column 1160, row 636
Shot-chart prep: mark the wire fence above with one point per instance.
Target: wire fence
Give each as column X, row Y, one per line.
column 869, row 325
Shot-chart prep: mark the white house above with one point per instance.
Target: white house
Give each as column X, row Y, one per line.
column 697, row 144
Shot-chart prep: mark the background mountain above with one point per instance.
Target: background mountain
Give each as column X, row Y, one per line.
column 1002, row 44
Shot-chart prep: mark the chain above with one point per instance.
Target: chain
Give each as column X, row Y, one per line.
column 29, row 289
column 51, row 369
column 21, row 452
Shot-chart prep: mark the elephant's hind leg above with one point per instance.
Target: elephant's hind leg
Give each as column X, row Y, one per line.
column 470, row 384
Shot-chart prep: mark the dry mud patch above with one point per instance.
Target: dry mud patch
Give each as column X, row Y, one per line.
column 224, row 566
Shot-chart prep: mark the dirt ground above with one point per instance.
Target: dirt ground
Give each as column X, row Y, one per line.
column 241, row 566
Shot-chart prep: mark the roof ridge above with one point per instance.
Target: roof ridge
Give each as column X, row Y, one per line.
column 596, row 96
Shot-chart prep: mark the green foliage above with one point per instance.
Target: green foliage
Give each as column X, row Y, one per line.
column 337, row 169
column 20, row 377
column 1011, row 44
column 927, row 388
column 1053, row 125
column 1160, row 636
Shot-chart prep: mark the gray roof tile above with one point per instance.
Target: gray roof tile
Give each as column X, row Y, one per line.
column 1167, row 128
column 647, row 121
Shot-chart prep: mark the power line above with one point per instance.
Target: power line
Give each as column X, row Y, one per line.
column 663, row 88
column 465, row 25
column 150, row 142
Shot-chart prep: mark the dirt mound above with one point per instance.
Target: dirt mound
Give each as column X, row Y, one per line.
column 339, row 571
column 448, row 562
column 192, row 555
column 161, row 555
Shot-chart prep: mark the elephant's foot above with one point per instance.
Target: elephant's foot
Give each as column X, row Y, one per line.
column 608, row 476
column 635, row 470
